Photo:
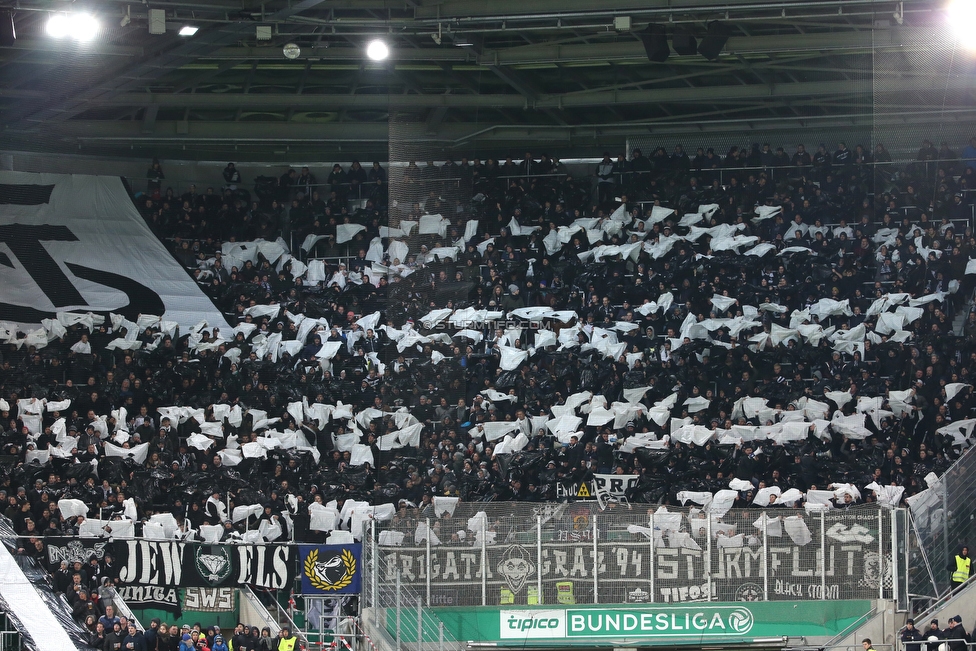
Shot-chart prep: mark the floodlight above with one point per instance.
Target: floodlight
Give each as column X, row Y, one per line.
column 58, row 26
column 84, row 27
column 81, row 27
column 962, row 16
column 377, row 50
column 188, row 30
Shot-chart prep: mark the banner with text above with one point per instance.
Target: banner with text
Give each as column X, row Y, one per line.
column 71, row 550
column 614, row 485
column 151, row 596
column 168, row 563
column 788, row 556
column 648, row 625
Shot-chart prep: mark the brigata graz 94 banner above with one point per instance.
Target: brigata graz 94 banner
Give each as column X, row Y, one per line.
column 168, row 563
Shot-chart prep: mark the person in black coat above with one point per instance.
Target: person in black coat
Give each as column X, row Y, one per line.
column 955, row 635
column 135, row 640
column 84, row 607
column 911, row 634
column 113, row 639
column 933, row 631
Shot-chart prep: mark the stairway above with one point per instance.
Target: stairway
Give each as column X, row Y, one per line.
column 959, row 602
column 41, row 616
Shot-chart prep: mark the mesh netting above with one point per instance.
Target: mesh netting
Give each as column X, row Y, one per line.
column 642, row 555
column 944, row 519
column 917, row 95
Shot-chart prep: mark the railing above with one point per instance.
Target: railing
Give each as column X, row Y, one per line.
column 936, row 604
column 833, row 643
column 11, row 641
column 578, row 554
column 398, row 611
column 121, row 608
column 280, row 618
column 924, row 645
column 944, row 519
column 254, row 602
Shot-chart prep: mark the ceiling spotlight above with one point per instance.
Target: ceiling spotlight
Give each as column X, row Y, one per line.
column 291, row 51
column 81, row 27
column 85, row 27
column 188, row 30
column 377, row 50
column 961, row 14
column 58, row 26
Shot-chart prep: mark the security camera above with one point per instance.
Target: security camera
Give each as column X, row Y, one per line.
column 437, row 38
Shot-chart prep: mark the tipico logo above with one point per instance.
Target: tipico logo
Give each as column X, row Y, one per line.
column 625, row 623
column 532, row 624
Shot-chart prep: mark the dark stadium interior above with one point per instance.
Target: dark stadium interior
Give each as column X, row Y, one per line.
column 713, row 254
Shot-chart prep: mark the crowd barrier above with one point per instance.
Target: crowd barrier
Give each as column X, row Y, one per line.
column 533, row 554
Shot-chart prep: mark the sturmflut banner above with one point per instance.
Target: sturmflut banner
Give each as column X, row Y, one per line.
column 642, row 571
column 76, row 243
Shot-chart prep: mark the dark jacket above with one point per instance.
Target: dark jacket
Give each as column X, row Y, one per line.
column 113, row 641
column 912, row 635
column 137, row 642
column 958, row 634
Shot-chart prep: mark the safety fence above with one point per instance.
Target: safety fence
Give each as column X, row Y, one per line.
column 399, row 613
column 517, row 553
column 944, row 520
column 10, row 638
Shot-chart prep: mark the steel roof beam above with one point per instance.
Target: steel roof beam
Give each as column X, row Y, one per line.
column 755, row 92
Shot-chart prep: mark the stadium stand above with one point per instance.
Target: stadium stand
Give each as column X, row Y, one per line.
column 758, row 322
column 719, row 308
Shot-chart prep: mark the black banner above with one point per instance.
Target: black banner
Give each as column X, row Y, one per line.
column 75, row 549
column 210, row 600
column 151, row 596
column 169, row 563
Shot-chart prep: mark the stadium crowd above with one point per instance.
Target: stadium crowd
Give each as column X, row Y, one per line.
column 495, row 330
column 110, row 632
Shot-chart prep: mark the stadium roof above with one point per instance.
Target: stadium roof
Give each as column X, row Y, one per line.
column 490, row 74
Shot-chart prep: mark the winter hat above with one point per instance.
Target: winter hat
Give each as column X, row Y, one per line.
column 186, row 636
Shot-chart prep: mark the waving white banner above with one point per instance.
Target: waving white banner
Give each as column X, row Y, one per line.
column 75, row 243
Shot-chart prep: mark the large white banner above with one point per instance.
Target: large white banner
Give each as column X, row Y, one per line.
column 76, row 243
